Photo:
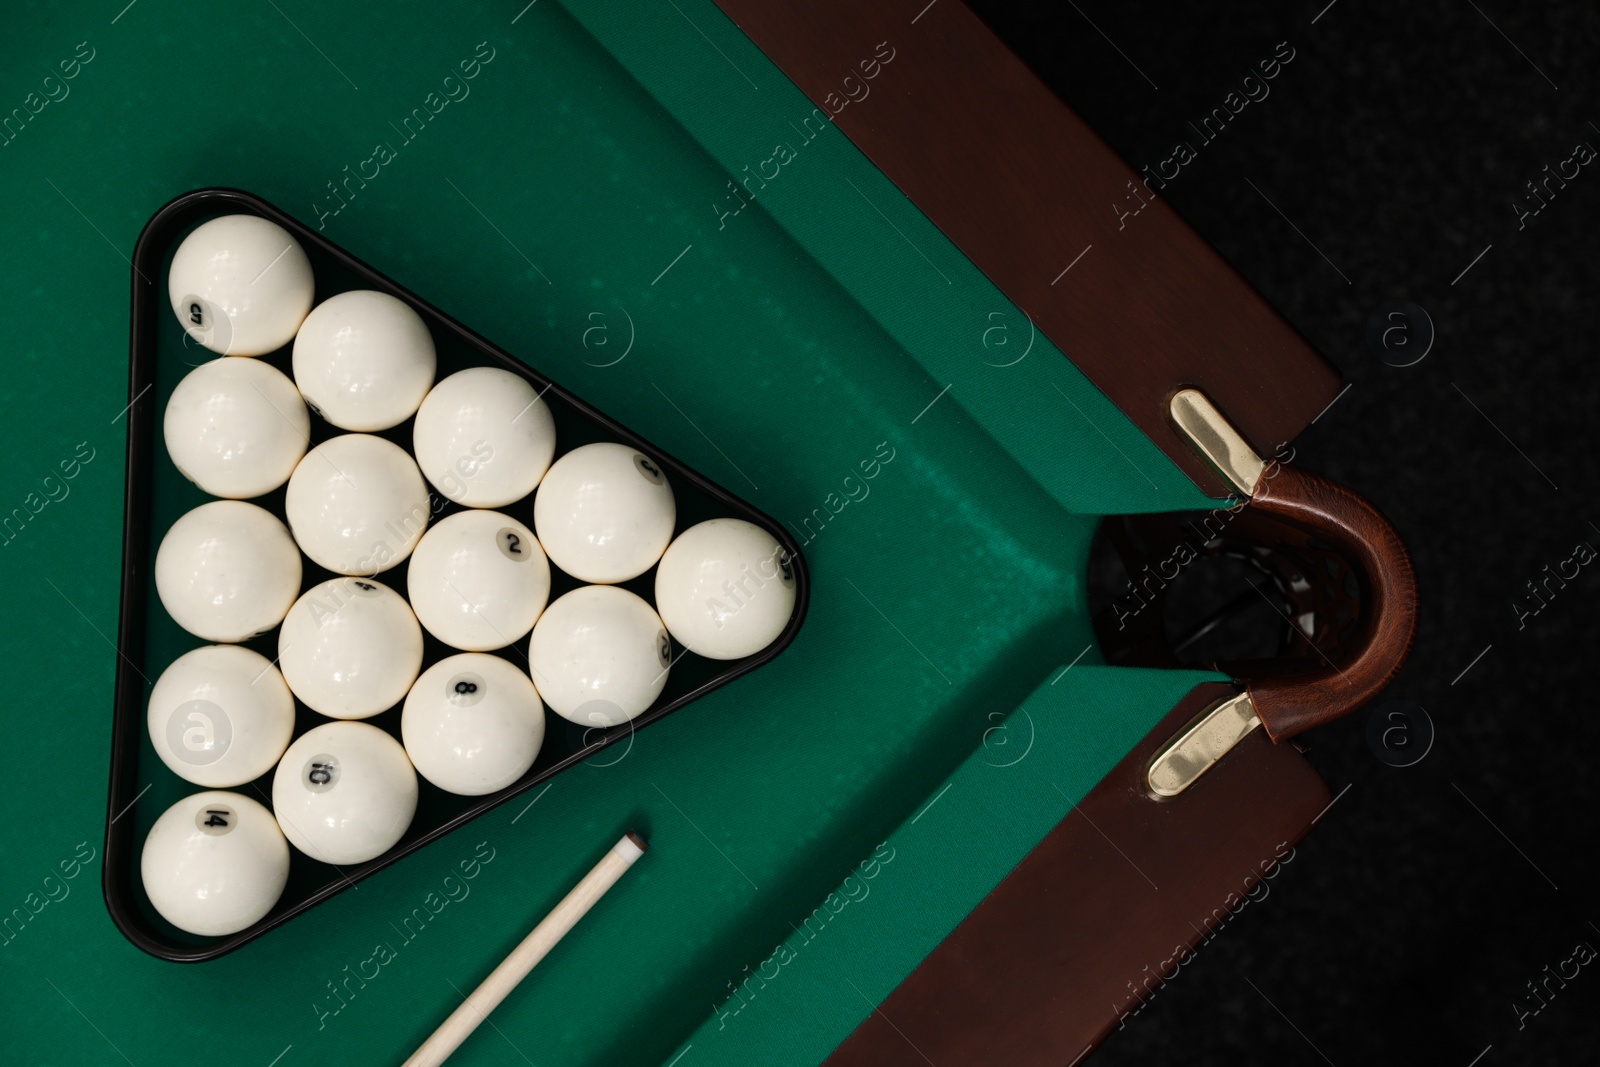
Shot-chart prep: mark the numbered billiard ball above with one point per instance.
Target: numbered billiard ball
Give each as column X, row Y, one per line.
column 604, row 513
column 484, row 437
column 240, row 285
column 472, row 724
column 478, row 580
column 599, row 655
column 364, row 360
column 344, row 792
column 236, row 427
column 220, row 716
column 725, row 589
column 357, row 504
column 227, row 571
column 214, row 863
column 350, row 648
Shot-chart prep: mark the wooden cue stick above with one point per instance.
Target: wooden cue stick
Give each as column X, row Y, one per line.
column 515, row 967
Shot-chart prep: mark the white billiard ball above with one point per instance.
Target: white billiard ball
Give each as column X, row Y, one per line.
column 725, row 589
column 604, row 513
column 227, row 571
column 350, row 648
column 344, row 793
column 357, row 504
column 220, row 716
column 473, row 724
column 364, row 360
column 599, row 655
column 236, row 427
column 240, row 285
column 484, row 437
column 478, row 580
column 214, row 863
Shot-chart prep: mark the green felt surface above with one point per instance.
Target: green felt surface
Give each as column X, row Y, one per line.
column 795, row 1003
column 563, row 207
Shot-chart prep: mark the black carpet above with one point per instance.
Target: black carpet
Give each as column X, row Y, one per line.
column 1389, row 161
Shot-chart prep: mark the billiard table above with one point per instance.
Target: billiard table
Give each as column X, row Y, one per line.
column 856, row 266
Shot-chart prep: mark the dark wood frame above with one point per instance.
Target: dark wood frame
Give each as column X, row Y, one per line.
column 1023, row 186
column 1144, row 307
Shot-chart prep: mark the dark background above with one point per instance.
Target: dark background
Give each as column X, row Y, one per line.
column 1396, row 142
